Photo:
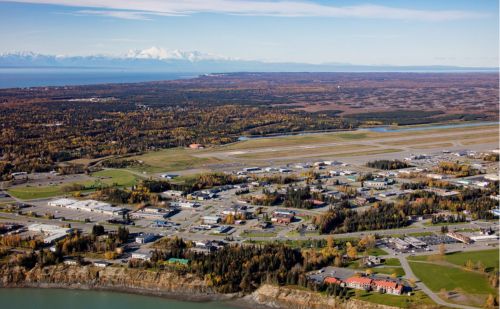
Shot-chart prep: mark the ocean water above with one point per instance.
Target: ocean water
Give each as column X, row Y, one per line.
column 76, row 299
column 27, row 77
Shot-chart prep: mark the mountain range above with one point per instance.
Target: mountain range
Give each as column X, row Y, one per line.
column 156, row 59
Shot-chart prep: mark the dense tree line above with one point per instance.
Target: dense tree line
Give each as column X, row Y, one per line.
column 448, row 218
column 341, row 220
column 388, row 164
column 37, row 137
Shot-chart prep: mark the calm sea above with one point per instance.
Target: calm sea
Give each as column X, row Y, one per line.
column 76, row 299
column 26, row 77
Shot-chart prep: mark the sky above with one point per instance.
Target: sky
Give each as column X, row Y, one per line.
column 370, row 32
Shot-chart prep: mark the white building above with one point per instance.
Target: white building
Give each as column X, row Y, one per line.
column 52, row 233
column 211, row 219
column 139, row 255
column 172, row 193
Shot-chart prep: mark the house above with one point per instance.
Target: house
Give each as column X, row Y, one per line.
column 375, row 184
column 371, row 261
column 185, row 204
column 144, row 238
column 237, row 210
column 201, row 196
column 360, row 283
column 283, row 216
column 317, row 203
column 386, row 286
column 333, row 280
column 211, row 219
column 361, row 201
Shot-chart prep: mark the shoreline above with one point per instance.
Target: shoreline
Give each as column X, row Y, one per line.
column 197, row 298
column 179, row 292
column 169, row 286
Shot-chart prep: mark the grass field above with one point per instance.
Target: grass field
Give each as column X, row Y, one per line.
column 27, row 193
column 399, row 271
column 451, row 278
column 255, row 235
column 402, row 301
column 489, row 258
column 376, row 251
column 120, row 178
column 392, row 262
column 174, row 159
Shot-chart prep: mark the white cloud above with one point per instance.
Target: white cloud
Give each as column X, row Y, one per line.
column 116, row 14
column 140, row 9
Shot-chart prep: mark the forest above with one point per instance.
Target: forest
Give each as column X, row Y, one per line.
column 42, row 127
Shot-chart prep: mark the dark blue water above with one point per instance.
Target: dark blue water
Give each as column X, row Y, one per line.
column 22, row 77
column 74, row 299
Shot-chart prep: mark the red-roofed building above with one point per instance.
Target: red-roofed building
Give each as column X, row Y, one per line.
column 332, row 280
column 361, row 283
column 388, row 287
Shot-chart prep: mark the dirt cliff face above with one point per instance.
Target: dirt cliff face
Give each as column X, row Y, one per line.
column 284, row 297
column 111, row 278
column 168, row 284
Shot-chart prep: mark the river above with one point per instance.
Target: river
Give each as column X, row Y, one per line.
column 78, row 299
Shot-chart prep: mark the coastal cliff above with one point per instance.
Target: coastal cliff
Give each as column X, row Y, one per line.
column 168, row 284
column 161, row 283
column 285, row 297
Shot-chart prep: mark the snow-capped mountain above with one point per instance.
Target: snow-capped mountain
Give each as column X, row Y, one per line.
column 166, row 60
column 166, row 54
